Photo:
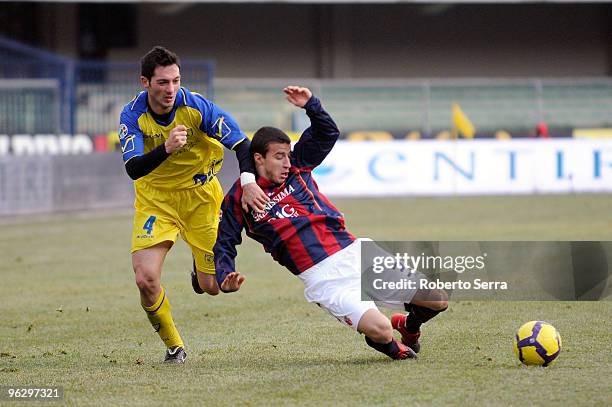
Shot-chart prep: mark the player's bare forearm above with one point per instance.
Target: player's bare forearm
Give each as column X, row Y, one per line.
column 232, row 282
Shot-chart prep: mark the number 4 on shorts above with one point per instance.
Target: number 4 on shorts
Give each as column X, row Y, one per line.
column 148, row 226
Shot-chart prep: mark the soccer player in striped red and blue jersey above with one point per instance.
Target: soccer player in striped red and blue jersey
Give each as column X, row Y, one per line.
column 304, row 232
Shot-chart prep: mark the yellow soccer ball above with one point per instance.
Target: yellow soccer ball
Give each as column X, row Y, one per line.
column 537, row 343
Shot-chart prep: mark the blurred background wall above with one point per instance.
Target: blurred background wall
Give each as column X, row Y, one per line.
column 332, row 40
column 497, row 98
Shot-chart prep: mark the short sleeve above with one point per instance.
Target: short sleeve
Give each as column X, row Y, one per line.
column 218, row 124
column 130, row 135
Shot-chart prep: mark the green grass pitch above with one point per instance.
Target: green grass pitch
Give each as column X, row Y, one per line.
column 70, row 316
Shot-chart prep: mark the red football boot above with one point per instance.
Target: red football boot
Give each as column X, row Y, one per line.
column 398, row 321
column 404, row 352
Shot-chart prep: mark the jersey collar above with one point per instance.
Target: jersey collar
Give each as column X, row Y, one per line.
column 181, row 97
column 263, row 182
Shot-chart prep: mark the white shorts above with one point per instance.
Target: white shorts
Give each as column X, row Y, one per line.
column 334, row 284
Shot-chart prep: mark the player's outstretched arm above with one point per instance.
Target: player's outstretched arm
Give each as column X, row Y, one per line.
column 318, row 139
column 229, row 236
column 232, row 282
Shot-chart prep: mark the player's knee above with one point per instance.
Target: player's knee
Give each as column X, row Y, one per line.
column 208, row 283
column 438, row 306
column 381, row 331
column 385, row 332
column 441, row 302
column 146, row 282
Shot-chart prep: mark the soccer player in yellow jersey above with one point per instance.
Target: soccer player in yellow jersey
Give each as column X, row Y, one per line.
column 172, row 142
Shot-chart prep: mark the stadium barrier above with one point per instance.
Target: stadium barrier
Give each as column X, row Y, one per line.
column 54, row 183
column 53, row 144
column 58, row 183
column 467, row 167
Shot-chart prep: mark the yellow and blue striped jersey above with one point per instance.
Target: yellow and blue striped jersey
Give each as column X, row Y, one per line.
column 208, row 129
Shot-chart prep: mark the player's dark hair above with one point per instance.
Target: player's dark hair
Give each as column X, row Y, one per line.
column 158, row 56
column 264, row 137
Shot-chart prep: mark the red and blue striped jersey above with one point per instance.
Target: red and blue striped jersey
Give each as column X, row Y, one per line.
column 300, row 227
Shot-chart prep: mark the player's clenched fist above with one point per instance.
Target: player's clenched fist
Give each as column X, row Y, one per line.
column 176, row 139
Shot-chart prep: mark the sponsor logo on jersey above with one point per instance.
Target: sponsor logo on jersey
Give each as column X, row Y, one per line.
column 222, row 129
column 128, row 145
column 285, row 212
column 123, row 131
column 200, row 178
column 212, row 171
